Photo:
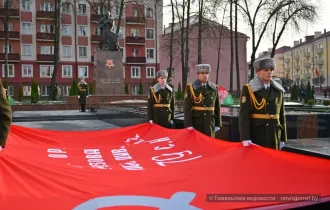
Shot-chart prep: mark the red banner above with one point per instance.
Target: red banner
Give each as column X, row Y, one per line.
column 147, row 166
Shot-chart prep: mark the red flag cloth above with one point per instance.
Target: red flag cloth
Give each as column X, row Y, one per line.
column 316, row 72
column 149, row 167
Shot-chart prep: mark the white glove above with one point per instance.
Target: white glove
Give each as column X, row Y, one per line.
column 190, row 128
column 150, row 121
column 87, row 96
column 171, row 122
column 246, row 143
column 281, row 144
column 78, row 96
column 217, row 128
column 0, row 148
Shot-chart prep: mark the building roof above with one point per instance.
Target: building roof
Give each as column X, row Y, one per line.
column 193, row 21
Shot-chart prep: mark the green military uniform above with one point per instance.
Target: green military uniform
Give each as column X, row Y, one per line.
column 261, row 117
column 83, row 94
column 5, row 116
column 161, row 103
column 202, row 107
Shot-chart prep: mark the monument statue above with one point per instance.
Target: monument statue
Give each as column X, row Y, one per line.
column 109, row 39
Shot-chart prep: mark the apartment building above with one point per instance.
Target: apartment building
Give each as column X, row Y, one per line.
column 31, row 42
column 308, row 60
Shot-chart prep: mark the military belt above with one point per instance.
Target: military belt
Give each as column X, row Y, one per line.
column 200, row 108
column 162, row 105
column 266, row 116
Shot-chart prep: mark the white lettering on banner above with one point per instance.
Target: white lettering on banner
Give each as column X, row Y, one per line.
column 178, row 201
column 135, row 139
column 121, row 154
column 56, row 153
column 168, row 160
column 95, row 159
column 131, row 166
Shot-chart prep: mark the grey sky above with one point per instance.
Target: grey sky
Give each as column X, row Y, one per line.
column 287, row 38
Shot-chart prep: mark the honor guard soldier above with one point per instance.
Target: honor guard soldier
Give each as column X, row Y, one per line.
column 161, row 102
column 261, row 117
column 201, row 103
column 5, row 116
column 82, row 94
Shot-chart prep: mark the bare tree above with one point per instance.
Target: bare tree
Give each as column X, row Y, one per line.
column 185, row 72
column 200, row 29
column 238, row 85
column 172, row 34
column 266, row 9
column 231, row 48
column 301, row 12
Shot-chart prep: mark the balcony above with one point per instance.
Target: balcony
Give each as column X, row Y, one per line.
column 96, row 38
column 307, row 54
column 45, row 36
column 308, row 75
column 135, row 20
column 297, row 67
column 297, row 57
column 287, row 69
column 296, row 77
column 135, row 59
column 95, row 18
column 10, row 12
column 287, row 60
column 319, row 62
column 307, row 65
column 135, row 40
column 45, row 15
column 11, row 35
column 319, row 51
column 45, row 58
column 11, row 56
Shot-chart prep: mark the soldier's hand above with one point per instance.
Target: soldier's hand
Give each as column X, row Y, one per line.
column 78, row 96
column 246, row 143
column 150, row 121
column 171, row 122
column 0, row 148
column 281, row 145
column 190, row 128
column 216, row 129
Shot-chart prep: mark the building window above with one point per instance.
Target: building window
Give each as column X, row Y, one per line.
column 149, row 13
column 135, row 89
column 82, row 52
column 47, row 28
column 67, row 71
column 66, row 90
column 46, row 70
column 135, row 72
column 82, row 31
column 66, row 51
column 150, row 33
column 320, row 46
column 26, row 28
column 27, row 70
column 150, row 53
column 26, row 90
column 135, row 12
column 82, row 9
column 9, row 48
column 135, row 32
column 97, row 31
column 121, row 32
column 47, row 50
column 47, row 6
column 11, row 70
column 26, row 5
column 66, row 8
column 27, row 50
column 66, row 30
column 135, row 52
column 44, row 90
column 150, row 72
column 11, row 90
column 83, row 71
column 122, row 52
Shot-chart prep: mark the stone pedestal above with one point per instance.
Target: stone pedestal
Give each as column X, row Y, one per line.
column 108, row 81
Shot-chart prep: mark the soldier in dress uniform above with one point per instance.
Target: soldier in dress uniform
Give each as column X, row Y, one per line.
column 261, row 117
column 82, row 94
column 5, row 116
column 161, row 102
column 201, row 103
